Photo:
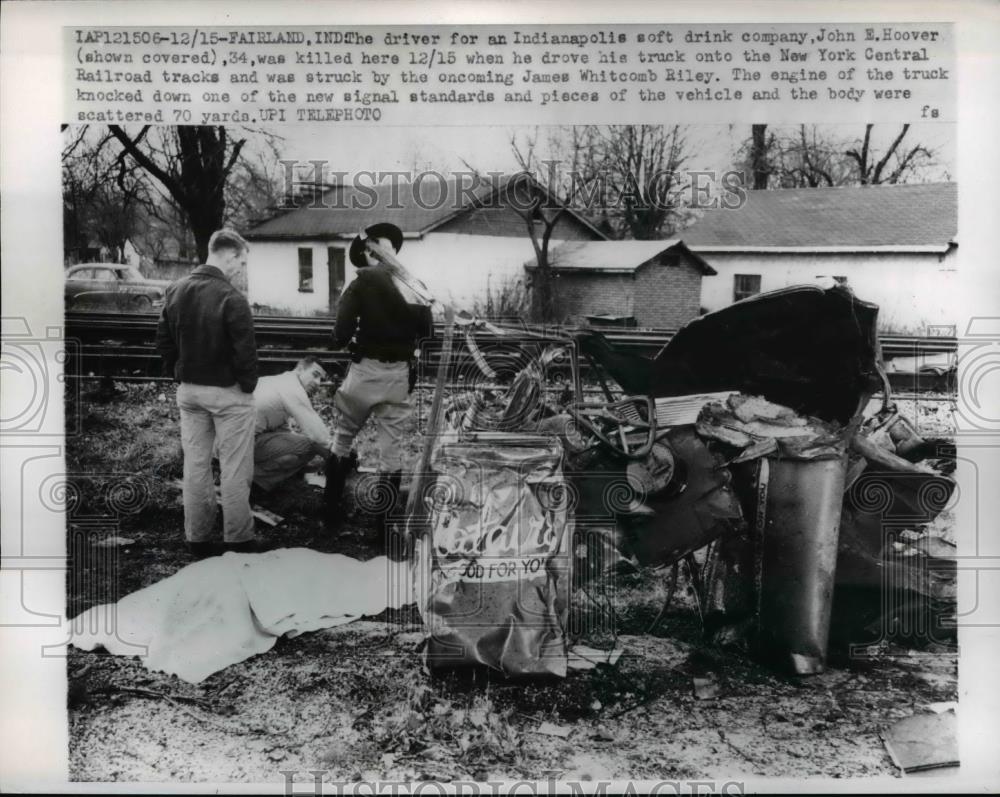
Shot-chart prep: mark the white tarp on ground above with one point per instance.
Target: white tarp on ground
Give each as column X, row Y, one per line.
column 220, row 611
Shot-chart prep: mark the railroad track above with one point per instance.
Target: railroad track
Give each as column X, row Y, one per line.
column 122, row 345
column 297, row 333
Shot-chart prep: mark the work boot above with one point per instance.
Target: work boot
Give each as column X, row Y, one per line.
column 253, row 545
column 389, row 524
column 336, row 477
column 203, row 550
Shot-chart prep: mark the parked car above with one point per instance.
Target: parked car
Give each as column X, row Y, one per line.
column 112, row 285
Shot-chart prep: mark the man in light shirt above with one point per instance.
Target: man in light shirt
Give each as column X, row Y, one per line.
column 280, row 453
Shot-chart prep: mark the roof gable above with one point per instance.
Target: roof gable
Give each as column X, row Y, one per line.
column 900, row 216
column 417, row 207
column 617, row 257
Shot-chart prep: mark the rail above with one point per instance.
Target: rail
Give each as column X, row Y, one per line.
column 289, row 333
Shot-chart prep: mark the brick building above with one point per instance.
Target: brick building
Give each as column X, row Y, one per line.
column 658, row 283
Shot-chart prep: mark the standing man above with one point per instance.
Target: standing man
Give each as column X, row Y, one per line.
column 206, row 339
column 386, row 328
column 278, row 452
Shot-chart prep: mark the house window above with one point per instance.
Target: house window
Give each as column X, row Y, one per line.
column 305, row 270
column 745, row 285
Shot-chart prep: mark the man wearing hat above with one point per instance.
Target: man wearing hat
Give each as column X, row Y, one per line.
column 382, row 321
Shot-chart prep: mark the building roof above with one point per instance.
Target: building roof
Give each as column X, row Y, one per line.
column 904, row 218
column 615, row 257
column 416, row 208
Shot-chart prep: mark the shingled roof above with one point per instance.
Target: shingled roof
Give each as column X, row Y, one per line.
column 416, row 208
column 922, row 217
column 615, row 257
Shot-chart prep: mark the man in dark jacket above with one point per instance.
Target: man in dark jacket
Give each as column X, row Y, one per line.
column 206, row 339
column 383, row 324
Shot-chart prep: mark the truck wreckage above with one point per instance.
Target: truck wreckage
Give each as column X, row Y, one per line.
column 744, row 451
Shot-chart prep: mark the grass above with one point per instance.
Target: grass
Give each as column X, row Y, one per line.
column 132, row 437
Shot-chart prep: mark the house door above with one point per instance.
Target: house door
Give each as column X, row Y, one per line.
column 336, row 274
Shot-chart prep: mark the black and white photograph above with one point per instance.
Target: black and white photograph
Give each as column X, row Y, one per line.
column 573, row 407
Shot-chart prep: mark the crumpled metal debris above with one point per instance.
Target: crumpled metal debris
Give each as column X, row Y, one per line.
column 498, row 559
column 758, row 428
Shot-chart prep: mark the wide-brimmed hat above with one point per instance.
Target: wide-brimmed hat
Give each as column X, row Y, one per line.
column 381, row 230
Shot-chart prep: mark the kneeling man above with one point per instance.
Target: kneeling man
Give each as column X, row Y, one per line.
column 280, row 453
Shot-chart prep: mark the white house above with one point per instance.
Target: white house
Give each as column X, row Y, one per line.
column 894, row 245
column 457, row 241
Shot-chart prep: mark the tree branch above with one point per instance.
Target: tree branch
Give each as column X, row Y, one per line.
column 877, row 174
column 147, row 163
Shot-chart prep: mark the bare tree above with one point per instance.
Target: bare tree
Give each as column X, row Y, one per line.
column 812, row 156
column 760, row 169
column 540, row 214
column 643, row 165
column 104, row 198
column 165, row 188
column 194, row 165
column 628, row 178
column 898, row 162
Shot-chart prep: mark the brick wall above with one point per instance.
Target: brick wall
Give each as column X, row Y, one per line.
column 657, row 295
column 579, row 295
column 668, row 295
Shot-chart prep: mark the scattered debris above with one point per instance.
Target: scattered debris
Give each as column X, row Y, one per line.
column 924, row 741
column 266, row 515
column 113, row 542
column 940, row 708
column 705, row 688
column 551, row 729
column 582, row 657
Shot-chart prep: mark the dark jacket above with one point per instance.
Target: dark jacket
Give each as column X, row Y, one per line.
column 375, row 313
column 205, row 335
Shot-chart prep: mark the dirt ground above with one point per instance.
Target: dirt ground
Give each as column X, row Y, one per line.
column 356, row 702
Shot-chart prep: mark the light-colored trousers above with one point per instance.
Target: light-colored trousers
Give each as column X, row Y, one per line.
column 280, row 455
column 227, row 414
column 377, row 389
